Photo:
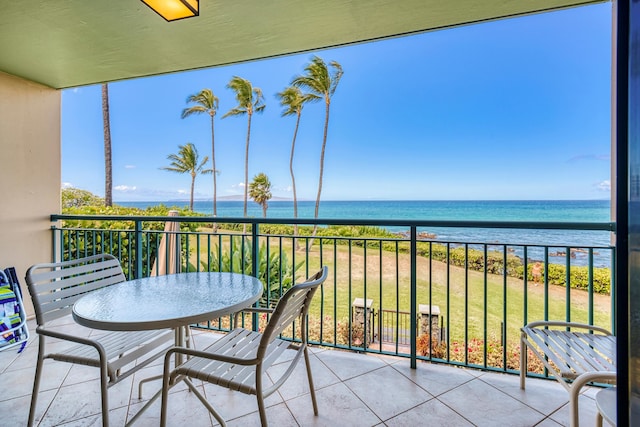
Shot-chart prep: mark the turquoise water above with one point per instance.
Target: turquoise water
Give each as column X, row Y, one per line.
column 529, row 210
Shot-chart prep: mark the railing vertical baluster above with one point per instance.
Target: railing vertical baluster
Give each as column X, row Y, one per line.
column 466, row 302
column 448, row 279
column 321, row 290
column 504, row 307
column 431, row 301
column 364, row 284
column 335, row 292
column 254, row 268
column 485, row 314
column 525, row 282
column 54, row 250
column 590, row 290
column 413, row 308
column 373, row 328
column 612, row 292
column 350, row 293
column 567, row 282
column 184, row 236
column 138, row 272
column 397, row 300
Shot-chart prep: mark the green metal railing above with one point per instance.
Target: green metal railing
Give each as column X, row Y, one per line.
column 485, row 291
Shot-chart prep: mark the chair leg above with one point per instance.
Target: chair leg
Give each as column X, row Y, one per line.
column 310, row 377
column 523, row 361
column 263, row 412
column 36, row 384
column 104, row 392
column 165, row 391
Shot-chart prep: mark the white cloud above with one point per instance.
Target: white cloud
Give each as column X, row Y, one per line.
column 67, row 185
column 241, row 185
column 604, row 185
column 183, row 192
column 129, row 166
column 125, row 188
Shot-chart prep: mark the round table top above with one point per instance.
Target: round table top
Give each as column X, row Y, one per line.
column 168, row 301
column 606, row 404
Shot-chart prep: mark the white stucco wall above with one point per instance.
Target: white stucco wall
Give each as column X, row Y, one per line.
column 30, row 172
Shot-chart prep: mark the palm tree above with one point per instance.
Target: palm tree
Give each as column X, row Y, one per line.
column 108, row 168
column 187, row 161
column 293, row 100
column 260, row 191
column 206, row 103
column 321, row 83
column 250, row 100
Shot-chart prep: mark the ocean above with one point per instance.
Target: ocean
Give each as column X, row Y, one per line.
column 512, row 210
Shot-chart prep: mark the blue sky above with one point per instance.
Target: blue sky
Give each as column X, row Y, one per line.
column 512, row 109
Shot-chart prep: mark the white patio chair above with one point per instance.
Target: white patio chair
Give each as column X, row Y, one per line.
column 240, row 359
column 54, row 287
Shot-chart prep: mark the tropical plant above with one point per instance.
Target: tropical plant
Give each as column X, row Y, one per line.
column 187, row 161
column 275, row 271
column 74, row 197
column 250, row 100
column 206, row 103
column 108, row 168
column 320, row 82
column 293, row 100
column 260, row 191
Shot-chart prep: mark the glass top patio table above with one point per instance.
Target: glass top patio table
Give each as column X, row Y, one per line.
column 169, row 301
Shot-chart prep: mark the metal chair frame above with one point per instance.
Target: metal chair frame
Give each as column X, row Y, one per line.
column 239, row 360
column 54, row 288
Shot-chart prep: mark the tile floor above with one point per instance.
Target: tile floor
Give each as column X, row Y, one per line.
column 352, row 390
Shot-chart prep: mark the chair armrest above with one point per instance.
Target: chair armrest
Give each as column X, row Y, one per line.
column 207, row 355
column 250, row 310
column 556, row 323
column 86, row 341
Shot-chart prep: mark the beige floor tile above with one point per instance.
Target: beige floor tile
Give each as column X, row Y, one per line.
column 545, row 396
column 434, row 378
column 277, row 415
column 15, row 412
column 337, row 406
column 297, row 384
column 345, row 366
column 548, row 422
column 387, row 393
column 484, row 405
column 433, row 413
column 587, row 408
column 72, row 403
column 233, row 404
column 184, row 409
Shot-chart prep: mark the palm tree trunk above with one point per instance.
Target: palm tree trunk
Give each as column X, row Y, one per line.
column 108, row 168
column 264, row 209
column 293, row 184
column 193, row 185
column 246, row 171
column 324, row 144
column 213, row 161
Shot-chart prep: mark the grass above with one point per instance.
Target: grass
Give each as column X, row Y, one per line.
column 385, row 277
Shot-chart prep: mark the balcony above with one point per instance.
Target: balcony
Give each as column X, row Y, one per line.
column 450, row 309
column 352, row 389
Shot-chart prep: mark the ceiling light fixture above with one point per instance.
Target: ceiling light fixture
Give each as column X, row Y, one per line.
column 172, row 10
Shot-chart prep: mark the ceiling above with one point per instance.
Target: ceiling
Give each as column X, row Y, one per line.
column 67, row 43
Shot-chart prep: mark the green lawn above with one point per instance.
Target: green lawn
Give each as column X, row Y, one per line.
column 384, row 277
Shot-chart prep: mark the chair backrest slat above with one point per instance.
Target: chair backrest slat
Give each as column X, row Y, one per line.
column 293, row 305
column 55, row 287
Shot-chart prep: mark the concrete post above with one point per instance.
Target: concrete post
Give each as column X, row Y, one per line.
column 359, row 317
column 430, row 315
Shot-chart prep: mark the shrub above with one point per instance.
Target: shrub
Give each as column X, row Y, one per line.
column 274, row 270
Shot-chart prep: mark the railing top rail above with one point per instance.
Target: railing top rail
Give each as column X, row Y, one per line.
column 545, row 225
